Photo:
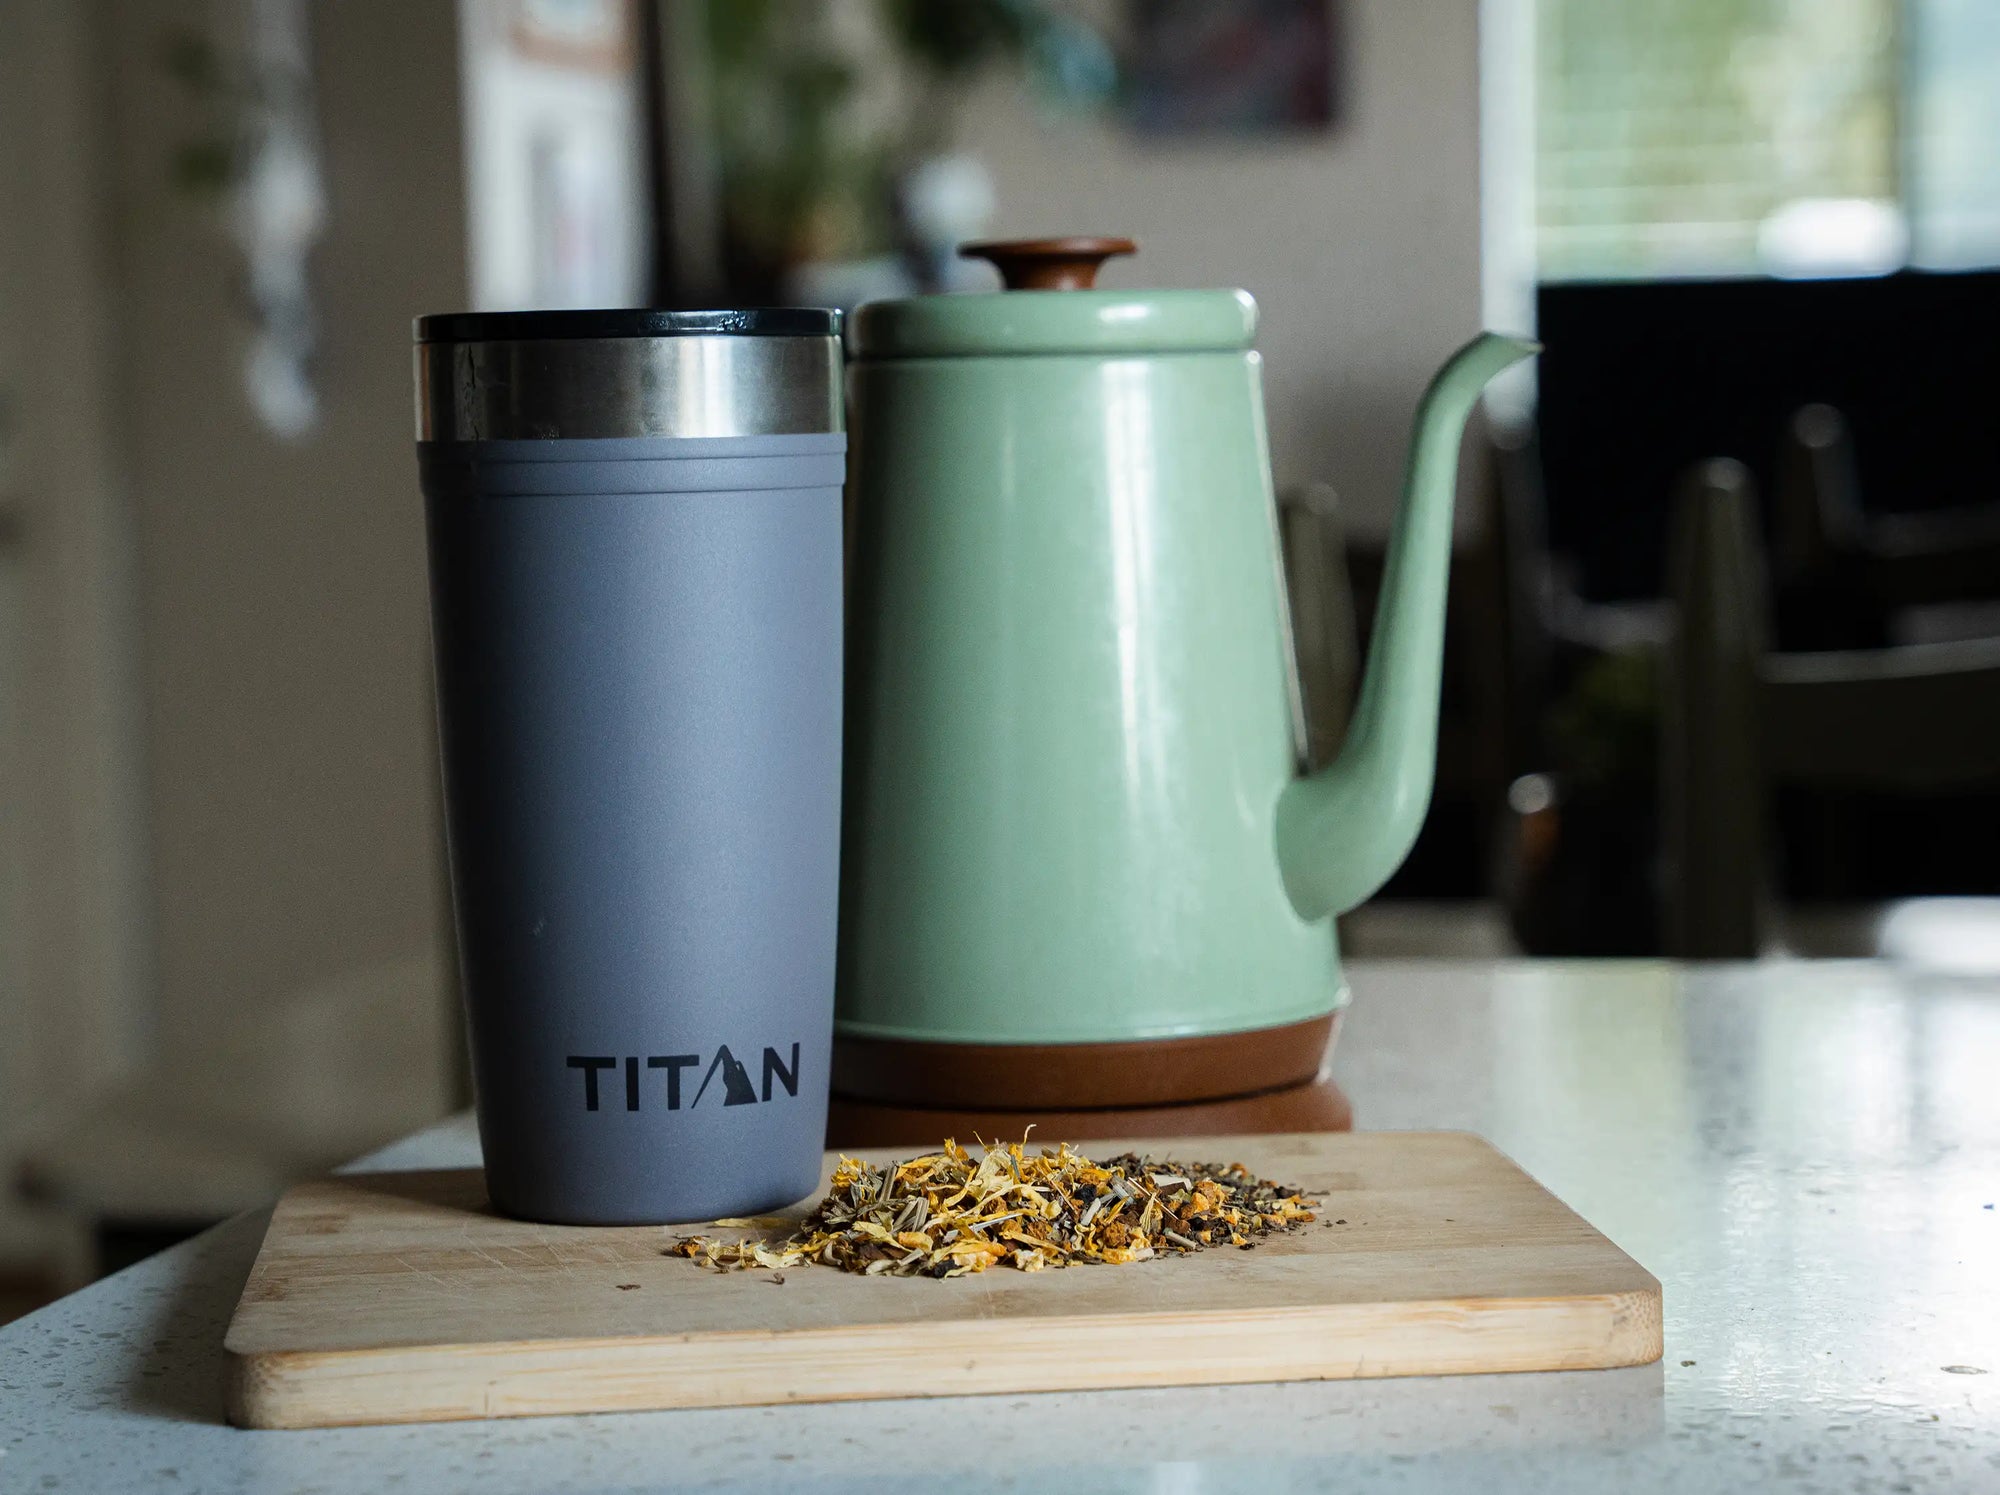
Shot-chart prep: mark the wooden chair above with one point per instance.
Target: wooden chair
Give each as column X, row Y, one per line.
column 1738, row 718
column 1825, row 545
column 1817, row 500
column 1550, row 633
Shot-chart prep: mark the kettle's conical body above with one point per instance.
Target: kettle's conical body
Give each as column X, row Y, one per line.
column 1070, row 712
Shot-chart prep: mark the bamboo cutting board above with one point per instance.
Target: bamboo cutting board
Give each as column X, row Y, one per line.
column 401, row 1297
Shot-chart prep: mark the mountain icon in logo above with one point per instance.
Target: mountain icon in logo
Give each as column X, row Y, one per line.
column 736, row 1087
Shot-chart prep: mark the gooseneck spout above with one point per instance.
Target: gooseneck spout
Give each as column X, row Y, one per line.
column 1342, row 831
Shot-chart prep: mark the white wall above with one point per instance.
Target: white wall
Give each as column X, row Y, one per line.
column 72, row 947
column 281, row 603
column 1361, row 243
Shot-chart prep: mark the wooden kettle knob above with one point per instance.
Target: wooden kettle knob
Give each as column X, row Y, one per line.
column 1069, row 264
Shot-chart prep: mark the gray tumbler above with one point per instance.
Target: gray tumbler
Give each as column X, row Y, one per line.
column 635, row 553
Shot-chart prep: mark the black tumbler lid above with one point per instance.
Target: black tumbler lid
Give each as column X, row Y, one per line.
column 533, row 326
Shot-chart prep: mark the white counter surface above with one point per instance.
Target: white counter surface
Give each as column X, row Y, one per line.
column 1807, row 1156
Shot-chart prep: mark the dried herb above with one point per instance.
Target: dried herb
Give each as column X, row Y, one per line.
column 945, row 1214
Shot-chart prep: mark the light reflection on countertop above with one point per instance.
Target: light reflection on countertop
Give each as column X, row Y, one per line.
column 1807, row 1155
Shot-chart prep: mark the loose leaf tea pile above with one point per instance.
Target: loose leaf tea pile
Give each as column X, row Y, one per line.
column 944, row 1215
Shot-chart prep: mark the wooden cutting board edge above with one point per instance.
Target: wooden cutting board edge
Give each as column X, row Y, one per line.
column 1330, row 1342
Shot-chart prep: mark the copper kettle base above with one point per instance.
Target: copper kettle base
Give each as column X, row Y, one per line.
column 1316, row 1106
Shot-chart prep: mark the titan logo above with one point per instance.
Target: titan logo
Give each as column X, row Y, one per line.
column 736, row 1087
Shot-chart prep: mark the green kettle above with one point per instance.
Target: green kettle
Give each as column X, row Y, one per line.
column 1081, row 865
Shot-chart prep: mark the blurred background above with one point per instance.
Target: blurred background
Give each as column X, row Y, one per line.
column 1723, row 673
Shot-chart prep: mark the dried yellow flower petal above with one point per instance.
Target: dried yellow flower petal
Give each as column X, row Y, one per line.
column 945, row 1215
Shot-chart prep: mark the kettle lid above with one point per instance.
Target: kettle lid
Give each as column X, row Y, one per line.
column 1051, row 306
column 1069, row 263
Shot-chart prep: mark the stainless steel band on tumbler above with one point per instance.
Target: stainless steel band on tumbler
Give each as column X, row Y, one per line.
column 499, row 376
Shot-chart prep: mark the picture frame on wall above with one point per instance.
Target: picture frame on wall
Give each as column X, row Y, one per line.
column 1231, row 67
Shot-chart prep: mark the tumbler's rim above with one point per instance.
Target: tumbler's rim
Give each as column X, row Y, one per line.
column 633, row 321
column 541, row 376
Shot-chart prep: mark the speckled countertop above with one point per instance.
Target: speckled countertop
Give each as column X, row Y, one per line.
column 1807, row 1155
